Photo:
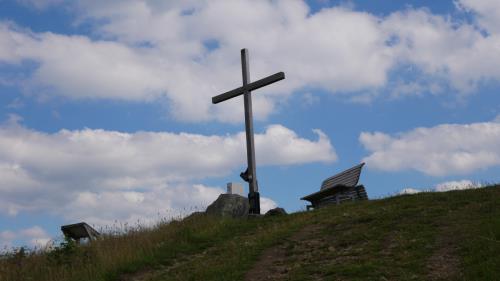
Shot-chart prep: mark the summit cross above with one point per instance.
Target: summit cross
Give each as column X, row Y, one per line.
column 249, row 175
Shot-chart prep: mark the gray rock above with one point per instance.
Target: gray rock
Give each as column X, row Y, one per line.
column 229, row 205
column 276, row 212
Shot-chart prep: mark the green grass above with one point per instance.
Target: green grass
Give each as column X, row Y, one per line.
column 448, row 236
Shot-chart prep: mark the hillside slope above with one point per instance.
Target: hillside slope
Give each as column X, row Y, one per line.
column 427, row 236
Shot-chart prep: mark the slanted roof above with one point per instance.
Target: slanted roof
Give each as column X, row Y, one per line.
column 79, row 230
column 347, row 178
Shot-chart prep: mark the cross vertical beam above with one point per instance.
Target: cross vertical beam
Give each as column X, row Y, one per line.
column 250, row 175
column 253, row 194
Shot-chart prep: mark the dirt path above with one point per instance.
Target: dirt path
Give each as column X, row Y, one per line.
column 276, row 262
column 444, row 264
column 303, row 248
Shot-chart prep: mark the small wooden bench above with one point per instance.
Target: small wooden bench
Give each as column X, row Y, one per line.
column 339, row 188
column 80, row 230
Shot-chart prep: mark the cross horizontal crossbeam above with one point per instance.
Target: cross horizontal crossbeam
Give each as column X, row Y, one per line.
column 250, row 87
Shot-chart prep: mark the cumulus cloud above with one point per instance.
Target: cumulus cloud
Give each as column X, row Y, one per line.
column 487, row 13
column 444, row 186
column 112, row 208
column 149, row 50
column 116, row 175
column 35, row 235
column 409, row 190
column 78, row 67
column 6, row 237
column 280, row 34
column 441, row 150
column 137, row 59
column 280, row 145
column 457, row 185
column 40, row 4
column 267, row 204
column 444, row 50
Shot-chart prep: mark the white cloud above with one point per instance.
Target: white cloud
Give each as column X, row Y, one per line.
column 6, row 237
column 36, row 236
column 487, row 13
column 309, row 99
column 409, row 190
column 266, row 204
column 138, row 59
column 149, row 50
column 126, row 176
column 40, row 4
column 112, row 208
column 457, row 185
column 444, row 186
column 305, row 45
column 441, row 150
column 444, row 50
column 279, row 145
column 77, row 67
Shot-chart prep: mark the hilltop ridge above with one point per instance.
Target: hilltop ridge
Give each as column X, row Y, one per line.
column 427, row 236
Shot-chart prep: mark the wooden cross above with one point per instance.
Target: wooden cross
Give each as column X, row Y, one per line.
column 249, row 175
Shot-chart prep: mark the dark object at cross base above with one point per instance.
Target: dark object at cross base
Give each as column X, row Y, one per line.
column 276, row 212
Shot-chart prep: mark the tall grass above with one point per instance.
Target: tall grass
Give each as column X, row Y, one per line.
column 113, row 253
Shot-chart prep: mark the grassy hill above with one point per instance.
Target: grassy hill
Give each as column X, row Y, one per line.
column 427, row 236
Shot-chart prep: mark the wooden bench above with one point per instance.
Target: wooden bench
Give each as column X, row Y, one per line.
column 80, row 230
column 338, row 189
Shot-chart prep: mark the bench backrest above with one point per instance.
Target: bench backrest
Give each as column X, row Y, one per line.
column 79, row 230
column 349, row 177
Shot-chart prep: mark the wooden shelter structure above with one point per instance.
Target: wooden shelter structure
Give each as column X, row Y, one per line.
column 339, row 188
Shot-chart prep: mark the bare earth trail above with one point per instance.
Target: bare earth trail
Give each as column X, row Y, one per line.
column 274, row 263
column 444, row 263
column 323, row 249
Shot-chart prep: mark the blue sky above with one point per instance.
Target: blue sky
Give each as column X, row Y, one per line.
column 106, row 114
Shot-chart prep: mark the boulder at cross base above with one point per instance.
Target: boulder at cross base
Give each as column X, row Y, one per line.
column 276, row 212
column 229, row 205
